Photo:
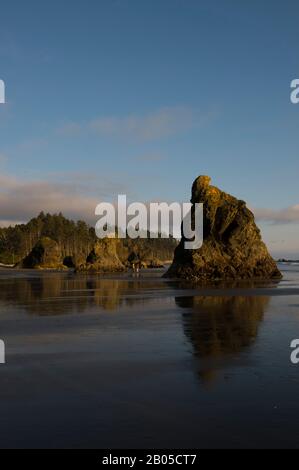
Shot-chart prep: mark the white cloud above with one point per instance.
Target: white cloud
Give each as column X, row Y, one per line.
column 10, row 223
column 288, row 215
column 21, row 199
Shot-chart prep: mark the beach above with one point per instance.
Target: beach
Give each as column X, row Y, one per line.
column 127, row 361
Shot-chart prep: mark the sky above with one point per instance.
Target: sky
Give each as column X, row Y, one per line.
column 139, row 97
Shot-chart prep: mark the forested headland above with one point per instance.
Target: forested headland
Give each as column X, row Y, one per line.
column 75, row 239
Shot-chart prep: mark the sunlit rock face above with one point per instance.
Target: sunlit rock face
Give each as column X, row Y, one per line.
column 104, row 257
column 232, row 244
column 46, row 254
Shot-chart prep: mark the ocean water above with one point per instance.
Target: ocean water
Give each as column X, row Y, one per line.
column 143, row 362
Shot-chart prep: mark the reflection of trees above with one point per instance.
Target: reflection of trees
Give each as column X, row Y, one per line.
column 108, row 293
column 62, row 293
column 219, row 326
column 45, row 294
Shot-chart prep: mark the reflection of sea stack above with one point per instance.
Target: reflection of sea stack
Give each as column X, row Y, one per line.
column 220, row 328
column 232, row 245
column 222, row 325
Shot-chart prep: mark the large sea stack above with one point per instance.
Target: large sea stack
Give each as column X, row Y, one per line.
column 232, row 245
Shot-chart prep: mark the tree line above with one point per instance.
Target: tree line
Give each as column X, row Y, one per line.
column 73, row 238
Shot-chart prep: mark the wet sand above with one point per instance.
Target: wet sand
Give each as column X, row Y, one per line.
column 142, row 362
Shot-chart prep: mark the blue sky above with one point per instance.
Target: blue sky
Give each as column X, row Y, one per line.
column 140, row 97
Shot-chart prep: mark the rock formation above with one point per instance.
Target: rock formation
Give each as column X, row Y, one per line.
column 75, row 260
column 232, row 245
column 152, row 263
column 103, row 257
column 46, row 254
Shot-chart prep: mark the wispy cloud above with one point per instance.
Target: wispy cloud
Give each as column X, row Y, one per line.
column 289, row 215
column 11, row 223
column 21, row 199
column 70, row 129
column 161, row 123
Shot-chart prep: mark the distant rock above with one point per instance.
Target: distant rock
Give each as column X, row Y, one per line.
column 103, row 257
column 232, row 246
column 152, row 263
column 289, row 261
column 46, row 254
column 143, row 260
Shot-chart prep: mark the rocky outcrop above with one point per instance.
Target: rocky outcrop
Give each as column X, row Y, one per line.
column 75, row 260
column 143, row 260
column 46, row 254
column 152, row 263
column 232, row 244
column 103, row 257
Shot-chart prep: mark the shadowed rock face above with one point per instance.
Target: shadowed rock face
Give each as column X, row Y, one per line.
column 46, row 254
column 232, row 246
